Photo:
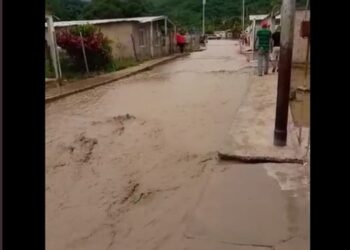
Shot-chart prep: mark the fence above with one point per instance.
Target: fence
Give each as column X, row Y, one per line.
column 193, row 41
column 81, row 63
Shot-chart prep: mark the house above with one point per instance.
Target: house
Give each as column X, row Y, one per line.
column 257, row 18
column 141, row 37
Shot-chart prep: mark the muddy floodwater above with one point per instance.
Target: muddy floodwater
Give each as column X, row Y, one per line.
column 124, row 160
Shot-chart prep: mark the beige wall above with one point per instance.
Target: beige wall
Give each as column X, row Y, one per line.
column 300, row 44
column 119, row 34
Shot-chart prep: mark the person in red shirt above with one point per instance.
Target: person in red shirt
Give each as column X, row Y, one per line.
column 181, row 41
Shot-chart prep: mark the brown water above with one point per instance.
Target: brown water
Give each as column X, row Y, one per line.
column 117, row 181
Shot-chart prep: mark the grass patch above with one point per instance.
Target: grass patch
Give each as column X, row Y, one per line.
column 49, row 70
column 125, row 63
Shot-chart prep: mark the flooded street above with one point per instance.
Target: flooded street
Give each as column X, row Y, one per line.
column 125, row 161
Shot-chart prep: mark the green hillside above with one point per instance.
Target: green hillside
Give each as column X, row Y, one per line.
column 220, row 14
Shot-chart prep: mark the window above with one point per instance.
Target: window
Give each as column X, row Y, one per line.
column 142, row 38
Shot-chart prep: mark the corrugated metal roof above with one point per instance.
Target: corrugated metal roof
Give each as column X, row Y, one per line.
column 101, row 21
column 257, row 17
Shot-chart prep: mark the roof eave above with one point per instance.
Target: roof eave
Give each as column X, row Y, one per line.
column 104, row 21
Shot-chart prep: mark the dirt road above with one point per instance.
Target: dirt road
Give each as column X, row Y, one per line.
column 125, row 162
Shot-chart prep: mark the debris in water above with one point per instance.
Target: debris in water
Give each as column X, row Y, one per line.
column 131, row 192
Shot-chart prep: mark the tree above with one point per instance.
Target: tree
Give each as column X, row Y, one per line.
column 65, row 9
column 275, row 5
column 185, row 13
column 136, row 8
column 104, row 9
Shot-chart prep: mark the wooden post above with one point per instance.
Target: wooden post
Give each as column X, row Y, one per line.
column 133, row 46
column 51, row 43
column 84, row 54
column 174, row 39
column 203, row 21
column 58, row 60
column 166, row 34
column 253, row 40
column 53, row 49
column 307, row 59
column 151, row 38
column 243, row 16
column 308, row 46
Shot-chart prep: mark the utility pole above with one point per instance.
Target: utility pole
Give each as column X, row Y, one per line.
column 284, row 74
column 151, row 38
column 203, row 22
column 243, row 15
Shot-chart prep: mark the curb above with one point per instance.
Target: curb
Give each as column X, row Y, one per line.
column 145, row 68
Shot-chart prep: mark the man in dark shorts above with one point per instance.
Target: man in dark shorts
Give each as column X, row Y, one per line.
column 276, row 36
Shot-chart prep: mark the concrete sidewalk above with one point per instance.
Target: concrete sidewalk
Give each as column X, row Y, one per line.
column 252, row 132
column 52, row 94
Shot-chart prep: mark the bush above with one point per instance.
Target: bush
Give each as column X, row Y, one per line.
column 97, row 47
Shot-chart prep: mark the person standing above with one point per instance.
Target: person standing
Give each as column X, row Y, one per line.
column 181, row 41
column 276, row 36
column 263, row 45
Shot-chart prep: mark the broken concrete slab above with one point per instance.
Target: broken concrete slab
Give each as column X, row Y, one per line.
column 252, row 132
column 247, row 205
column 197, row 244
